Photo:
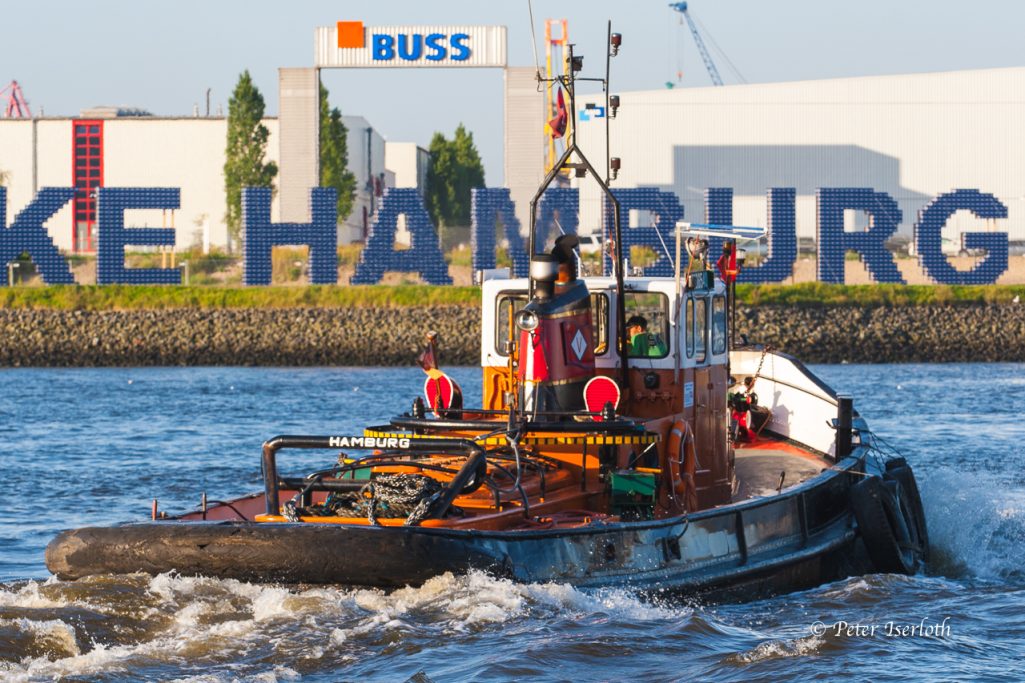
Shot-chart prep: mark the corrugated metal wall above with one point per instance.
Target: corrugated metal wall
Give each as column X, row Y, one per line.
column 912, row 136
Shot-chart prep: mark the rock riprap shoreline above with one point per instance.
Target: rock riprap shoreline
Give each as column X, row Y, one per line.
column 392, row 336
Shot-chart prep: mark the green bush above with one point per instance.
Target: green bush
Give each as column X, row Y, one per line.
column 287, row 263
column 459, row 256
column 348, row 254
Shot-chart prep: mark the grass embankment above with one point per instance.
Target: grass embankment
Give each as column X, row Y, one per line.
column 819, row 294
column 136, row 297
column 129, row 297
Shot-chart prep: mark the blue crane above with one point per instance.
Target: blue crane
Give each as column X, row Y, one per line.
column 713, row 72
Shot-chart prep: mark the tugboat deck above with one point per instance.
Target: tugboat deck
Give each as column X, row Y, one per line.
column 768, row 467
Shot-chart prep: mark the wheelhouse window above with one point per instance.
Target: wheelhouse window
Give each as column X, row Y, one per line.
column 511, row 302
column 508, row 304
column 700, row 328
column 689, row 326
column 718, row 325
column 647, row 320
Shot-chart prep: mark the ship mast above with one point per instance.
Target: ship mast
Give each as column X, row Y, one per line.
column 573, row 158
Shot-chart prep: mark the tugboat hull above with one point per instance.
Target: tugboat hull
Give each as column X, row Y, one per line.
column 757, row 547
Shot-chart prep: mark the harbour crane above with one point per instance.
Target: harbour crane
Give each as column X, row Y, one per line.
column 17, row 105
column 706, row 57
column 701, row 34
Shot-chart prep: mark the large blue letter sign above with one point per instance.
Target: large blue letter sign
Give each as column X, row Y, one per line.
column 424, row 255
column 489, row 204
column 782, row 232
column 667, row 209
column 113, row 237
column 262, row 236
column 928, row 239
column 834, row 241
column 558, row 213
column 28, row 234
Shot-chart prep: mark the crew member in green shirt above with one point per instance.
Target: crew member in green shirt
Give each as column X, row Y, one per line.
column 642, row 344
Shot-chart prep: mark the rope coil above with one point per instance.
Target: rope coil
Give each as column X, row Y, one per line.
column 387, row 496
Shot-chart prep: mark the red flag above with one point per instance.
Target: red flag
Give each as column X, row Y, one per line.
column 558, row 124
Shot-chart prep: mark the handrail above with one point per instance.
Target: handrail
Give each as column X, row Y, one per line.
column 476, row 459
column 611, row 427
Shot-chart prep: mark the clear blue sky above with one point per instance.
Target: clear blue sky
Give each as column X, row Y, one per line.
column 163, row 56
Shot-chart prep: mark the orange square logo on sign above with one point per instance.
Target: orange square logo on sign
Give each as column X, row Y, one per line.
column 350, row 34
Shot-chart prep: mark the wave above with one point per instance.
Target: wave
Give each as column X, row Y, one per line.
column 163, row 626
column 203, row 630
column 779, row 649
column 976, row 523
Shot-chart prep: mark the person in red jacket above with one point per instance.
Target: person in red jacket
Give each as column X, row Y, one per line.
column 740, row 408
column 727, row 263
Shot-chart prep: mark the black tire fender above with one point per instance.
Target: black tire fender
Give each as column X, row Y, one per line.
column 882, row 510
column 898, row 470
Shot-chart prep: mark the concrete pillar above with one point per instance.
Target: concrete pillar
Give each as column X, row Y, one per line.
column 524, row 138
column 299, row 141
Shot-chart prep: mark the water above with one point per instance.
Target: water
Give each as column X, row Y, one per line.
column 95, row 446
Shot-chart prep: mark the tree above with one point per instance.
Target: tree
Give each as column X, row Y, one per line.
column 334, row 156
column 438, row 188
column 247, row 146
column 455, row 170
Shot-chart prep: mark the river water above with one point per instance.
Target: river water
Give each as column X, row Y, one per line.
column 94, row 446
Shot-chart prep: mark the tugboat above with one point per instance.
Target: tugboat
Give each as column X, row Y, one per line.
column 613, row 448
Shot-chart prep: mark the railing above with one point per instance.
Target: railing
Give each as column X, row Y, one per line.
column 472, row 471
column 803, row 407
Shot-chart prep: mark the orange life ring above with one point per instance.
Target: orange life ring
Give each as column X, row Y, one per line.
column 679, row 464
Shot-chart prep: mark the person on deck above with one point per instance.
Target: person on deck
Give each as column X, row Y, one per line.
column 642, row 344
column 758, row 415
column 740, row 408
column 727, row 264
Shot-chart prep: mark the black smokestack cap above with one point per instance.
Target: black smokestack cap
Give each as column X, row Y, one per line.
column 563, row 249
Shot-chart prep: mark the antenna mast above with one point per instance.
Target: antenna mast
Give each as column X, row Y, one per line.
column 581, row 167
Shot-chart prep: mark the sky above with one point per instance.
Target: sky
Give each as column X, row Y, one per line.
column 162, row 57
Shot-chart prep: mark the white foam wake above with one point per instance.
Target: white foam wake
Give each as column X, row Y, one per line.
column 976, row 523
column 189, row 620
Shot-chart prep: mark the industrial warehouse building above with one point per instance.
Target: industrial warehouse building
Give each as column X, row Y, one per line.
column 913, row 137
column 111, row 147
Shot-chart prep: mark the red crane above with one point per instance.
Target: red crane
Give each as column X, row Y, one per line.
column 17, row 105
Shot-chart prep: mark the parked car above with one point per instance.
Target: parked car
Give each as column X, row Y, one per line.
column 590, row 244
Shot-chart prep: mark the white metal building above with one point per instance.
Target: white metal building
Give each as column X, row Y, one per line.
column 912, row 136
column 149, row 151
column 367, row 162
column 409, row 162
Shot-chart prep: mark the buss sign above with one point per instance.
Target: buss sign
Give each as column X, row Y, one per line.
column 351, row 44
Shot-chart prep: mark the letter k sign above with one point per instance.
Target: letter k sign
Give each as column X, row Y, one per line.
column 27, row 234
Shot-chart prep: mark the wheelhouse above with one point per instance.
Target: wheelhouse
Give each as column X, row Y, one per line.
column 684, row 372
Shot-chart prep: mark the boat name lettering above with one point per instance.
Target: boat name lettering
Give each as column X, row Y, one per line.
column 367, row 442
